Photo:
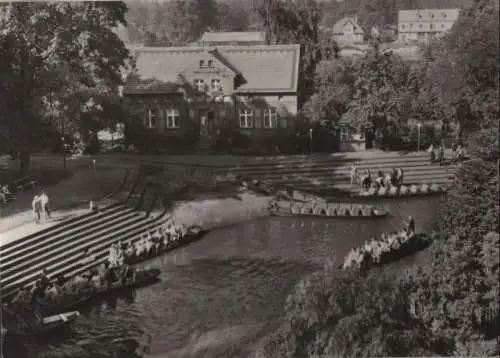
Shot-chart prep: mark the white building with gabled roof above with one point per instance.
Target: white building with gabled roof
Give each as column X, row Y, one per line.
column 423, row 24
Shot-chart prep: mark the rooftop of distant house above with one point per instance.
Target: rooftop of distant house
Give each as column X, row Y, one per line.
column 263, row 68
column 428, row 15
column 236, row 37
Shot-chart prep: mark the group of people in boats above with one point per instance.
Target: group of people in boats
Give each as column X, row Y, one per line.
column 375, row 249
column 323, row 209
column 116, row 269
column 383, row 180
column 150, row 244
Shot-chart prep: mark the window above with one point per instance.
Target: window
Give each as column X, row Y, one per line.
column 420, row 26
column 202, row 63
column 246, row 118
column 343, row 134
column 403, row 26
column 270, row 118
column 199, row 85
column 444, row 15
column 430, row 26
column 172, row 118
column 432, row 15
column 210, row 63
column 442, row 26
column 216, row 85
column 151, row 119
column 411, row 25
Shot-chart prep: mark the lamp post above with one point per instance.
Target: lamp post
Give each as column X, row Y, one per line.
column 418, row 136
column 310, row 140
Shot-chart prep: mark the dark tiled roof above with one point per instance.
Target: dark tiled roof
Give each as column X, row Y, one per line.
column 264, row 68
column 247, row 36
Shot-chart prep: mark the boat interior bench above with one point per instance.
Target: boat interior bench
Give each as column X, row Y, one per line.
column 24, row 183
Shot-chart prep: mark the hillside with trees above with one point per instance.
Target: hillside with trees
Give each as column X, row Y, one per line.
column 447, row 304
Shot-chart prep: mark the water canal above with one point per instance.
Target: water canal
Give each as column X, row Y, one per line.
column 219, row 296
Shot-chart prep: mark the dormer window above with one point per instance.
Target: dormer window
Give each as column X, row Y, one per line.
column 199, row 85
column 202, row 63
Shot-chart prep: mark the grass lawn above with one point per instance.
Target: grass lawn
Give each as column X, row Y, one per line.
column 71, row 187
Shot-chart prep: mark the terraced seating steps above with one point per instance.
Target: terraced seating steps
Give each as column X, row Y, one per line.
column 39, row 237
column 63, row 252
column 66, row 255
column 38, row 253
column 72, row 265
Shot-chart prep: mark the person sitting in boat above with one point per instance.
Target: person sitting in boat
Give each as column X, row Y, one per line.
column 52, row 291
column 112, row 255
column 37, row 292
column 128, row 275
column 76, row 285
column 139, row 248
column 44, row 279
column 110, row 277
column 95, row 279
column 410, row 229
column 366, row 182
column 23, row 296
column 148, row 244
column 380, row 178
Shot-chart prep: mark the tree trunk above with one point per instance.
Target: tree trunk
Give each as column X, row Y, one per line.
column 24, row 163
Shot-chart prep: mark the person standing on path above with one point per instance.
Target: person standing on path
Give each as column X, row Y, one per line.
column 36, row 206
column 44, row 199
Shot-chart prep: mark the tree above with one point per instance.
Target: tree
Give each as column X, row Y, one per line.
column 54, row 48
column 334, row 88
column 295, row 22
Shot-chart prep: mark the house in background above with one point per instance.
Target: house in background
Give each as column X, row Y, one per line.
column 348, row 31
column 252, row 89
column 421, row 25
column 232, row 39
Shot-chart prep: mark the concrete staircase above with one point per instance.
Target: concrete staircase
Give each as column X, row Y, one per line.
column 334, row 172
column 311, row 173
column 60, row 248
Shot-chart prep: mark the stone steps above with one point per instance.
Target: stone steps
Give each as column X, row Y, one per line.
column 60, row 248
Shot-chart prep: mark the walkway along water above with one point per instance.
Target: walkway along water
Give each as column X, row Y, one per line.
column 218, row 296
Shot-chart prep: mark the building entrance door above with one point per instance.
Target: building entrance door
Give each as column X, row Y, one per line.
column 207, row 122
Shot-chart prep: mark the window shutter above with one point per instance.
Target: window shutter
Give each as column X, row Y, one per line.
column 257, row 117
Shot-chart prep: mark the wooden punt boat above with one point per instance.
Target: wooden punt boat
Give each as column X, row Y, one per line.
column 330, row 211
column 193, row 234
column 41, row 326
column 414, row 244
column 62, row 303
column 402, row 191
column 66, row 301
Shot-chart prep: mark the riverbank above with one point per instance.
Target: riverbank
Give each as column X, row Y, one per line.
column 211, row 213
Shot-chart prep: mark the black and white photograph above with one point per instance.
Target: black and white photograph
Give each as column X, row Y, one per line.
column 249, row 178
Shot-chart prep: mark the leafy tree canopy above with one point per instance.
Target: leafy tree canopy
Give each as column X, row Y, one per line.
column 61, row 54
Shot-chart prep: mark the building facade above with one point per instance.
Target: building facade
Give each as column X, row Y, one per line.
column 422, row 25
column 251, row 89
column 348, row 31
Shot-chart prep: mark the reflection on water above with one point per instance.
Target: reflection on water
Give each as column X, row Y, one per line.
column 217, row 297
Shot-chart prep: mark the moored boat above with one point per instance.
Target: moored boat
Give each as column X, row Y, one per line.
column 87, row 295
column 326, row 210
column 39, row 325
column 377, row 257
column 401, row 191
column 193, row 234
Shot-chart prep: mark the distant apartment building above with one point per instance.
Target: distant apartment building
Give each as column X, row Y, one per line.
column 421, row 25
column 348, row 31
